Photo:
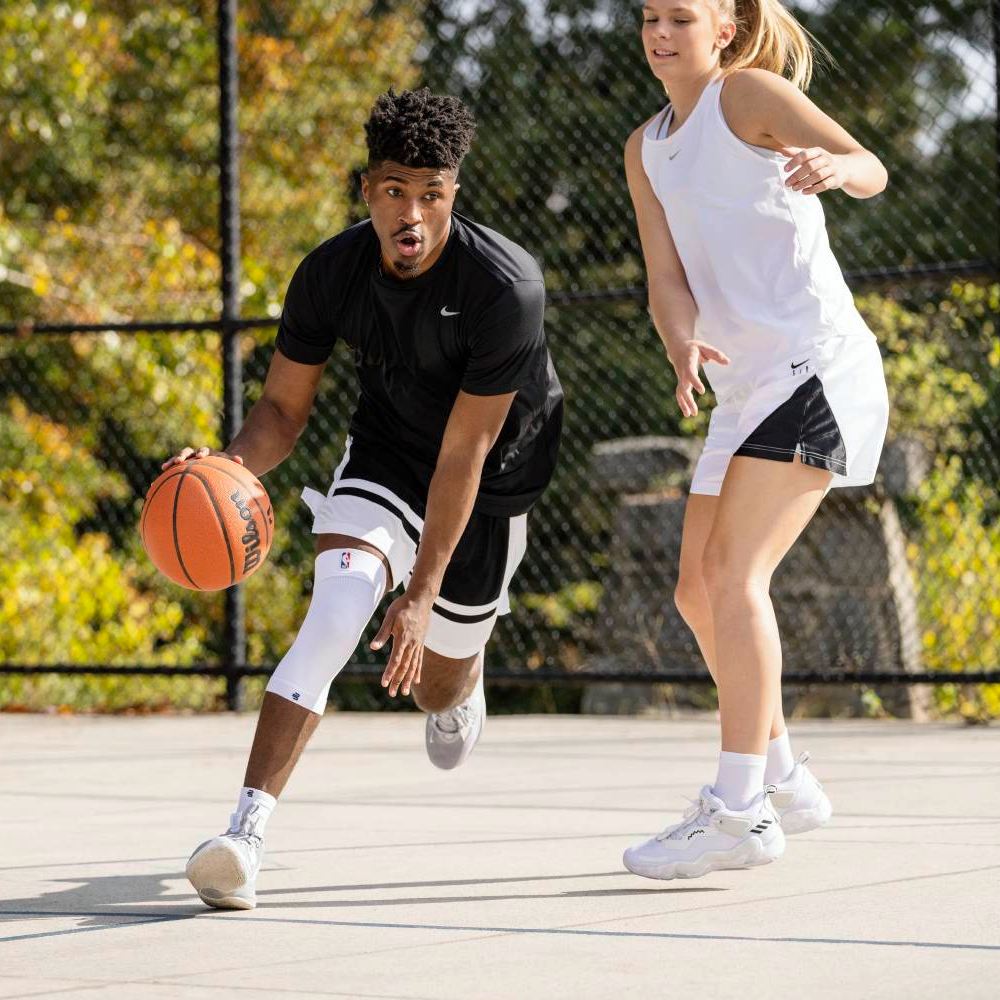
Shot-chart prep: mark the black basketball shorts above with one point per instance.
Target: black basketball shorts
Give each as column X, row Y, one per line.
column 474, row 590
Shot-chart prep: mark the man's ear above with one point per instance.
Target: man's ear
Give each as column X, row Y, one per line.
column 364, row 186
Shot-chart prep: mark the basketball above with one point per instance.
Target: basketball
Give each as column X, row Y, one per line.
column 207, row 523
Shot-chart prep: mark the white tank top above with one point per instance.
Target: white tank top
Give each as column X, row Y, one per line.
column 755, row 253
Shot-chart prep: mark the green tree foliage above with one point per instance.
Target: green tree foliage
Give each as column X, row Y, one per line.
column 108, row 212
column 913, row 80
column 108, row 131
column 942, row 365
column 559, row 84
column 556, row 87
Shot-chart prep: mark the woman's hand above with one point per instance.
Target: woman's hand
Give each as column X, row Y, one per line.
column 815, row 170
column 687, row 359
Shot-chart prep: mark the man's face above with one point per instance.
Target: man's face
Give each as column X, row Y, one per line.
column 410, row 209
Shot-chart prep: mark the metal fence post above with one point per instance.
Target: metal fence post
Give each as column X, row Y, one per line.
column 232, row 361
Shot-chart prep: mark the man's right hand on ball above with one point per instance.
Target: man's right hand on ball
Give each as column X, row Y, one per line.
column 188, row 453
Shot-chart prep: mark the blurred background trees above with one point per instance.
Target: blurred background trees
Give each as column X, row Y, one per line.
column 108, row 213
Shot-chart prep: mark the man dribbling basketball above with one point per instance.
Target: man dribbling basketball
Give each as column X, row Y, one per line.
column 453, row 439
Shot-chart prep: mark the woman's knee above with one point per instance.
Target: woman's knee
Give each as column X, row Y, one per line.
column 728, row 575
column 691, row 600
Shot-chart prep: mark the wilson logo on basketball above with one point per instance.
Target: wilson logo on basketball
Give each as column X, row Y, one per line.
column 251, row 537
column 197, row 517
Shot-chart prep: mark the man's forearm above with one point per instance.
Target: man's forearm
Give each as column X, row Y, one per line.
column 450, row 500
column 266, row 438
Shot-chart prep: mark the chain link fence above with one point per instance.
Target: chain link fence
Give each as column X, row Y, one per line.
column 111, row 346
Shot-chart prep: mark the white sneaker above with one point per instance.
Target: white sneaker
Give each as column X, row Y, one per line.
column 451, row 736
column 224, row 869
column 800, row 800
column 709, row 838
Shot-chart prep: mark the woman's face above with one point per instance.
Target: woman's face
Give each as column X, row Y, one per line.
column 682, row 38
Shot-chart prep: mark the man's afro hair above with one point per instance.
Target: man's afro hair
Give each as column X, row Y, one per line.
column 419, row 129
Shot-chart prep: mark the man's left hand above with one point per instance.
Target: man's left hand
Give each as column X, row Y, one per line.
column 406, row 621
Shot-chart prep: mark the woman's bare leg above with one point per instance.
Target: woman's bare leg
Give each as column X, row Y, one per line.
column 691, row 595
column 762, row 509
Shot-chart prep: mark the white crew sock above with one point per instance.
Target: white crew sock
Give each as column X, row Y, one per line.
column 740, row 778
column 780, row 761
column 265, row 805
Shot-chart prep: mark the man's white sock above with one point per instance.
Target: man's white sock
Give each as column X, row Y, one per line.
column 740, row 778
column 780, row 761
column 249, row 797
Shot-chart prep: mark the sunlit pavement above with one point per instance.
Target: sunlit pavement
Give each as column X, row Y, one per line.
column 387, row 878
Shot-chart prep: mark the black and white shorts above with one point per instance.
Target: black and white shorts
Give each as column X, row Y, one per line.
column 828, row 405
column 474, row 589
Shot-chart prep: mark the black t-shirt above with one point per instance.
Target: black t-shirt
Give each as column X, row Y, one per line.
column 473, row 322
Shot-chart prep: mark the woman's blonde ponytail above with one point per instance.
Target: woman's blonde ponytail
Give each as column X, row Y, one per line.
column 768, row 37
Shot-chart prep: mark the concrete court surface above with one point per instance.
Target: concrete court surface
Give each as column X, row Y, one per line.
column 385, row 878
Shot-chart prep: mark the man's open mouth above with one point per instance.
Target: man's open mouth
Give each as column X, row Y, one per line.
column 408, row 244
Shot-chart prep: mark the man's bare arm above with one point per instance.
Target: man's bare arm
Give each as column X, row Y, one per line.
column 275, row 421
column 473, row 428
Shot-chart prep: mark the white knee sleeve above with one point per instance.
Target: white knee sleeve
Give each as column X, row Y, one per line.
column 348, row 585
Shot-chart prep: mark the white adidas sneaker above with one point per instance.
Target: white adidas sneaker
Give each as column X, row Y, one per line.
column 224, row 870
column 451, row 736
column 800, row 801
column 709, row 838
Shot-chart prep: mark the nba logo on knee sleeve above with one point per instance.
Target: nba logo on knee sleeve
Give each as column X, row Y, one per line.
column 345, row 560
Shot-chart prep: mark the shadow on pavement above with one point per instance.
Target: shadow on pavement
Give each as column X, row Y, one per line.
column 106, row 900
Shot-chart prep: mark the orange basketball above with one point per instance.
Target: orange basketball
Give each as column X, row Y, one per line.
column 207, row 523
